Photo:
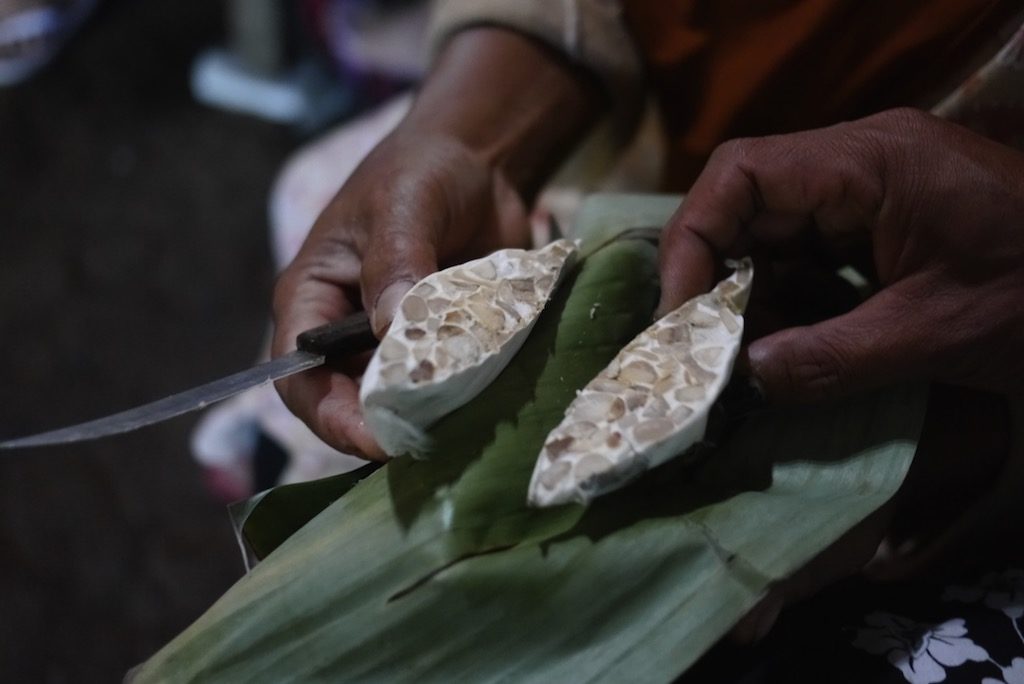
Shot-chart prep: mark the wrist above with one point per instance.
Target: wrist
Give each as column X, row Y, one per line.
column 512, row 102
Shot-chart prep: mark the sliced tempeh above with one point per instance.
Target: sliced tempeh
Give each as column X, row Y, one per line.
column 454, row 332
column 652, row 401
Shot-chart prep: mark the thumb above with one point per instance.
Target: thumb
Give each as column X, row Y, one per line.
column 392, row 264
column 880, row 342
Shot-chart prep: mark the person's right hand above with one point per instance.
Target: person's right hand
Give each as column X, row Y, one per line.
column 415, row 203
column 496, row 115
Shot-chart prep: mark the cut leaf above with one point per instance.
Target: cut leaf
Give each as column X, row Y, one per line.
column 265, row 520
column 436, row 571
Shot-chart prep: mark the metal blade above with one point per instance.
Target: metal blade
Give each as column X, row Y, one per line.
column 174, row 405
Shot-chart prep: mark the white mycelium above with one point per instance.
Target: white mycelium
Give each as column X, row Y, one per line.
column 652, row 401
column 453, row 333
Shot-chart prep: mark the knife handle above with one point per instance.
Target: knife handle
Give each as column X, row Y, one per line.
column 346, row 337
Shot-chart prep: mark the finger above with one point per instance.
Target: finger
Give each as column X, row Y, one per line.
column 882, row 341
column 687, row 265
column 328, row 403
column 829, row 178
column 840, row 560
column 312, row 292
column 704, row 227
column 393, row 262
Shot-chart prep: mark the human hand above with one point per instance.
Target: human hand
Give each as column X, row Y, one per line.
column 494, row 118
column 939, row 210
column 416, row 202
column 942, row 209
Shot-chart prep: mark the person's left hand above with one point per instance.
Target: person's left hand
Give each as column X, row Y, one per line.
column 939, row 209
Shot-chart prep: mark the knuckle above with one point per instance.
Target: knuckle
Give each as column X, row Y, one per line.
column 856, row 189
column 853, row 183
column 904, row 118
column 397, row 241
column 885, row 135
column 735, row 151
column 740, row 164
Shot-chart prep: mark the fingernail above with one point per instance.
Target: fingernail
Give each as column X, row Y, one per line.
column 387, row 304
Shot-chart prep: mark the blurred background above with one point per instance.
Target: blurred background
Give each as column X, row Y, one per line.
column 141, row 142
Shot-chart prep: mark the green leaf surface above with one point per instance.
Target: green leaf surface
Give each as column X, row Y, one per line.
column 436, row 570
column 264, row 521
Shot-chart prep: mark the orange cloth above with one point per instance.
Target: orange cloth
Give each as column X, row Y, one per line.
column 729, row 68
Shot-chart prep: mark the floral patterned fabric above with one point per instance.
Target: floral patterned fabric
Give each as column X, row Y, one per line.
column 916, row 633
column 919, row 651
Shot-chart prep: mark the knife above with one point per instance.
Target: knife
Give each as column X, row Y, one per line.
column 315, row 347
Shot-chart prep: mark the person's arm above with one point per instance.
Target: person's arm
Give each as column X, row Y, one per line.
column 497, row 114
column 516, row 103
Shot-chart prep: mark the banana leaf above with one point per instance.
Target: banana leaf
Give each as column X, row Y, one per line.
column 436, row 570
column 265, row 521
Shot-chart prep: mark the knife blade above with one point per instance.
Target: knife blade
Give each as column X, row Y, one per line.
column 315, row 347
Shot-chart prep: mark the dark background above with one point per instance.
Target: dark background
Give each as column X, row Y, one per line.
column 133, row 262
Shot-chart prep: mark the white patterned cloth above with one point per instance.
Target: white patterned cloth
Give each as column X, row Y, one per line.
column 926, row 653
